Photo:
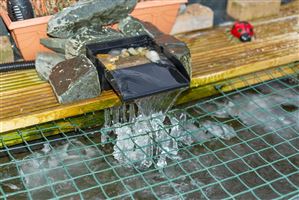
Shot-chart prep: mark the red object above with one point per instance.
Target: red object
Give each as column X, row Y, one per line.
column 243, row 31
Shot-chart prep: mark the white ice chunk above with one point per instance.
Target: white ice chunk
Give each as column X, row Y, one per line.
column 134, row 145
column 11, row 186
column 220, row 130
column 50, row 165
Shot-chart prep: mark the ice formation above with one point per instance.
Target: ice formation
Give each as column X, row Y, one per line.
column 143, row 139
column 220, row 130
column 264, row 110
column 52, row 165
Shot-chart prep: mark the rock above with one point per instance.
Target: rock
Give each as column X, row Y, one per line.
column 45, row 62
column 76, row 44
column 132, row 27
column 248, row 10
column 55, row 44
column 6, row 51
column 87, row 13
column 74, row 80
column 194, row 17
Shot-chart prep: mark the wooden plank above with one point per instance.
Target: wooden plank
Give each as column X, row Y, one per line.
column 96, row 119
column 220, row 37
column 235, row 83
column 25, row 100
column 49, row 129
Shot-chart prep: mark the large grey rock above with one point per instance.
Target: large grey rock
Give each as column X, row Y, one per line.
column 87, row 13
column 44, row 63
column 131, row 26
column 76, row 44
column 74, row 80
column 55, row 44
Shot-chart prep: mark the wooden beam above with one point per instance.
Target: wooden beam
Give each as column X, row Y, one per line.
column 209, row 67
column 25, row 100
column 96, row 119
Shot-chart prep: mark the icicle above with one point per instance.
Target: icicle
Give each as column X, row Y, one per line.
column 116, row 119
column 132, row 112
column 135, row 145
column 107, row 118
column 124, row 113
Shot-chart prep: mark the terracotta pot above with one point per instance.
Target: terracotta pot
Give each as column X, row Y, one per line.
column 27, row 33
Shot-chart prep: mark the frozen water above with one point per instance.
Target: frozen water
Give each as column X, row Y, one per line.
column 49, row 168
column 187, row 132
column 220, row 130
column 264, row 110
column 225, row 111
column 138, row 143
column 145, row 136
column 11, row 186
column 134, row 144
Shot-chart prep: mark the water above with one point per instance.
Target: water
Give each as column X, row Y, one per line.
column 264, row 108
column 143, row 140
column 147, row 139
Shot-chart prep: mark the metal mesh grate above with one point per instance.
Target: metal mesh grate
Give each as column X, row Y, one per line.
column 261, row 162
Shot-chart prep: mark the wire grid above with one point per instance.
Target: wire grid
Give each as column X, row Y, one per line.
column 261, row 162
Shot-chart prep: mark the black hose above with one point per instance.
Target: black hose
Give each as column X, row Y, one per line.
column 14, row 66
column 20, row 10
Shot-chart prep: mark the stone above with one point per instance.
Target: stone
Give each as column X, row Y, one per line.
column 194, row 17
column 75, row 79
column 76, row 44
column 6, row 51
column 45, row 62
column 55, row 44
column 248, row 10
column 131, row 26
column 88, row 13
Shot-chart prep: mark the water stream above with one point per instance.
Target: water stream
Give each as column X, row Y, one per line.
column 141, row 135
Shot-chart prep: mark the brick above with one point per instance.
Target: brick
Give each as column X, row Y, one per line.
column 252, row 9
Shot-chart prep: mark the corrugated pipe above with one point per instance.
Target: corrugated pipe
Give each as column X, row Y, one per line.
column 14, row 66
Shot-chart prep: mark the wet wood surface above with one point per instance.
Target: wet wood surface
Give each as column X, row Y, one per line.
column 25, row 100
